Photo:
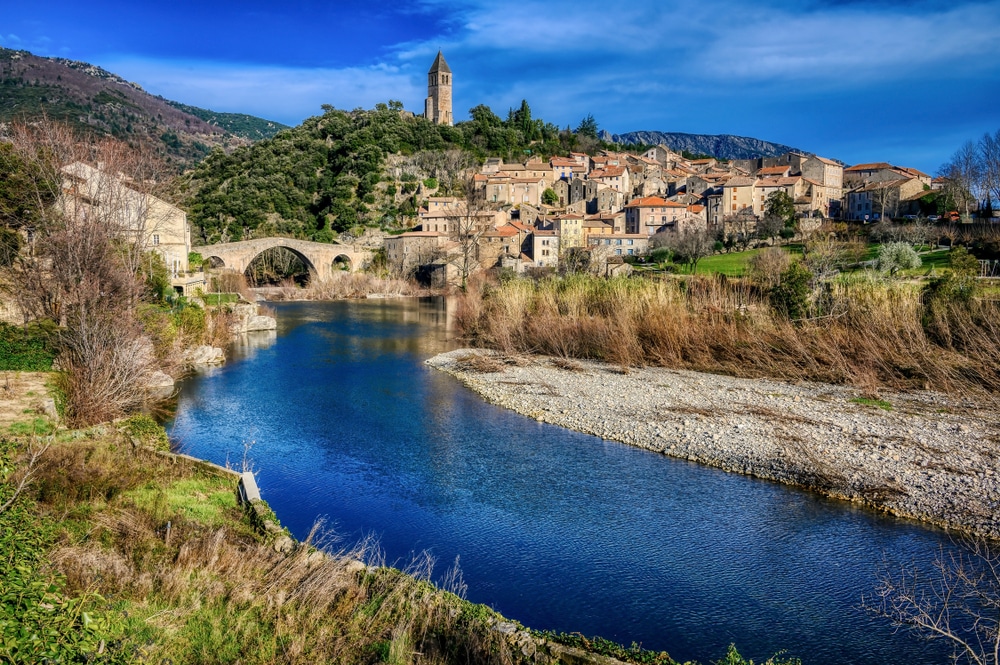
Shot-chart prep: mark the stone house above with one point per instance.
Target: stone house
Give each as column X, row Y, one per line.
column 738, row 194
column 830, row 178
column 615, row 218
column 496, row 244
column 770, row 172
column 714, row 212
column 152, row 222
column 649, row 214
column 871, row 172
column 622, row 244
column 566, row 168
column 875, row 200
column 594, row 227
column 407, row 251
column 545, row 248
column 570, row 230
column 795, row 186
column 615, row 177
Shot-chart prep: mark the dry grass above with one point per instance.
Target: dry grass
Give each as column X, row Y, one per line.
column 213, row 594
column 343, row 285
column 874, row 337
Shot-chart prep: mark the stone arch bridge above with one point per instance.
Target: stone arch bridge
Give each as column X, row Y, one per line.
column 321, row 258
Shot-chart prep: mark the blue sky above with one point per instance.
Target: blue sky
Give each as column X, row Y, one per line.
column 876, row 80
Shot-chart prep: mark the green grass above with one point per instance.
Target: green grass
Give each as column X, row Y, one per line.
column 733, row 264
column 216, row 299
column 868, row 401
column 204, row 499
column 35, row 426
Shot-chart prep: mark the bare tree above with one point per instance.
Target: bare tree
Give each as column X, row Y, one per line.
column 468, row 221
column 958, row 601
column 989, row 155
column 84, row 268
column 741, row 227
column 770, row 227
column 964, row 175
column 885, row 195
column 689, row 248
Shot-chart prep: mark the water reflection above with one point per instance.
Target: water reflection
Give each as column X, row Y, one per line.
column 556, row 529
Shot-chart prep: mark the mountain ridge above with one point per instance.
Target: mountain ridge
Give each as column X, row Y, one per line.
column 93, row 100
column 723, row 146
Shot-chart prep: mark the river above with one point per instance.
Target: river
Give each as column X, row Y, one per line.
column 343, row 422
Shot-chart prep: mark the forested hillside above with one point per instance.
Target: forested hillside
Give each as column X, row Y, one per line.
column 94, row 101
column 238, row 124
column 330, row 173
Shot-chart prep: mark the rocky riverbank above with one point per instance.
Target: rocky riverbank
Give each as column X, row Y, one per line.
column 926, row 456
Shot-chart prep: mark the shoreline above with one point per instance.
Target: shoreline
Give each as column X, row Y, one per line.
column 934, row 458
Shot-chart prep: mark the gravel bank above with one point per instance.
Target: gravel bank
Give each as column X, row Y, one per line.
column 931, row 457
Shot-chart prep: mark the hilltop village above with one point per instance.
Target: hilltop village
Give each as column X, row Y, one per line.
column 609, row 206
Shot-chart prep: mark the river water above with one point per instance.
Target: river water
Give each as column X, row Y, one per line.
column 342, row 421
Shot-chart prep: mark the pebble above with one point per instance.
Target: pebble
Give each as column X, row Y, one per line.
column 792, row 433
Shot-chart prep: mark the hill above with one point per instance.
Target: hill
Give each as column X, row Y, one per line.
column 724, row 146
column 97, row 101
column 238, row 124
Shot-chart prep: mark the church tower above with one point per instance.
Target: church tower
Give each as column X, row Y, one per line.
column 437, row 106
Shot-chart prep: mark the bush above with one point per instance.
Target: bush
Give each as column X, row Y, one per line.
column 896, row 256
column 790, row 297
column 431, row 183
column 767, row 267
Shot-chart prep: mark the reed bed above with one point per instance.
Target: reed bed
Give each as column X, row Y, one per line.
column 872, row 334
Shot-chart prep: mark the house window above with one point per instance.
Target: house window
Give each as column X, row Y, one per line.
column 156, row 239
column 631, row 252
column 630, row 241
column 618, row 252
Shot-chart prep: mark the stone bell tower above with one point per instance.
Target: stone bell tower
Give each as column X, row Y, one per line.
column 437, row 106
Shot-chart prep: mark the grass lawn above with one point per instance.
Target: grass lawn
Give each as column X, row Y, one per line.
column 734, row 264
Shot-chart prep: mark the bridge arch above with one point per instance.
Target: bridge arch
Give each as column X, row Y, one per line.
column 322, row 259
column 343, row 262
column 274, row 251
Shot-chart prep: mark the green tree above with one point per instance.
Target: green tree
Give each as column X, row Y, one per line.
column 549, row 196
column 588, row 127
column 781, row 206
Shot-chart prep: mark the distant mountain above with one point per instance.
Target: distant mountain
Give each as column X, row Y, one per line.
column 724, row 146
column 93, row 99
column 238, row 124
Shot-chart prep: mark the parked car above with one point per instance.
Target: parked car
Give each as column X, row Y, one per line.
column 933, row 218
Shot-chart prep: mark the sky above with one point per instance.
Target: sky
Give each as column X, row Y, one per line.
column 900, row 81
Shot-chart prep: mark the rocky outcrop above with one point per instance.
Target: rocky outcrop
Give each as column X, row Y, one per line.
column 205, row 355
column 258, row 322
column 248, row 320
column 923, row 455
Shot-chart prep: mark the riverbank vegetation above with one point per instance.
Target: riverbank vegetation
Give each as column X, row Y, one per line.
column 786, row 321
column 98, row 300
column 116, row 552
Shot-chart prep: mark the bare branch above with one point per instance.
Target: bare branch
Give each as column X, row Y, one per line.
column 34, row 457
